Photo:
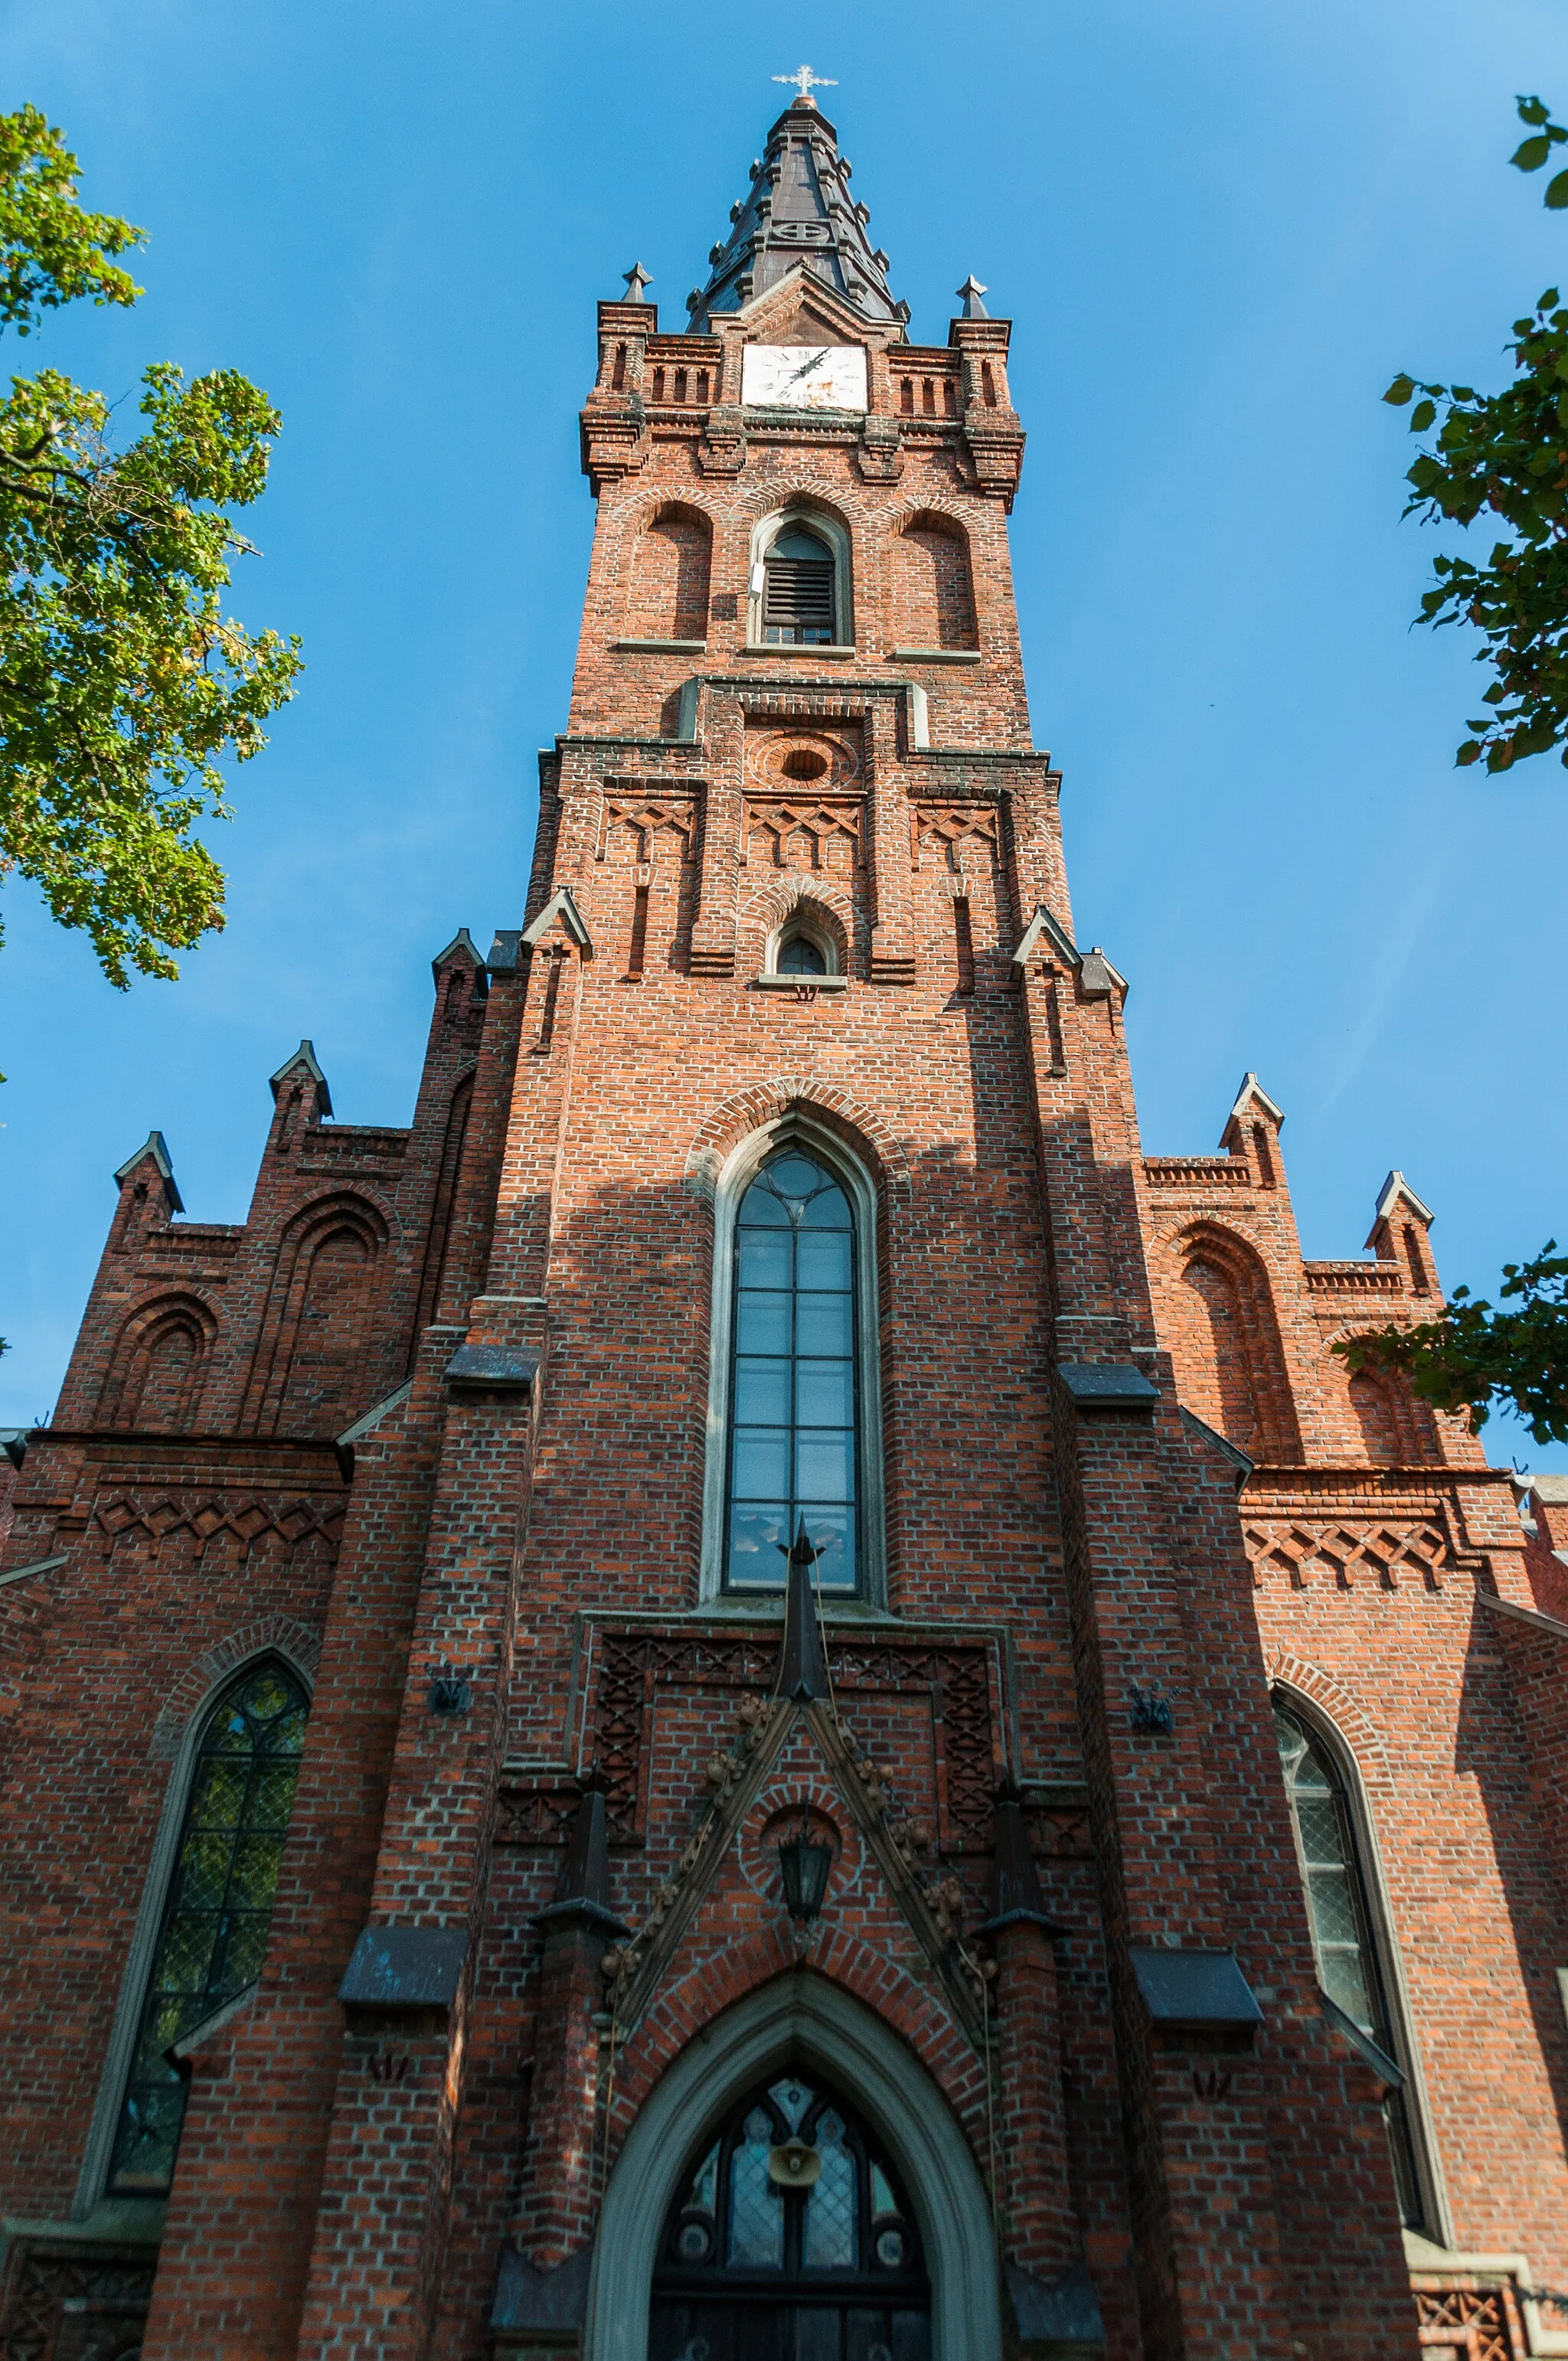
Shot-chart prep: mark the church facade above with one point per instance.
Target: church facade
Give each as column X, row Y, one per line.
column 755, row 1691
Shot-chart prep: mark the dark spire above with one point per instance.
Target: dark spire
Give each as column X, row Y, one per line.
column 971, row 291
column 636, row 278
column 799, row 210
column 803, row 1667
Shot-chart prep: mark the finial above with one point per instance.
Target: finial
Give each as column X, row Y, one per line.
column 971, row 291
column 636, row 279
column 803, row 1667
column 805, row 82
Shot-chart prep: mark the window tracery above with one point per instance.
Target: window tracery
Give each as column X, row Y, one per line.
column 793, row 1395
column 793, row 2208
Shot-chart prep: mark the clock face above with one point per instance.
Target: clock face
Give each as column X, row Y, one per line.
column 804, row 376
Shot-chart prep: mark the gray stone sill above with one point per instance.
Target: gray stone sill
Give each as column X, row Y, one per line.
column 789, row 648
column 788, row 982
column 936, row 655
column 660, row 647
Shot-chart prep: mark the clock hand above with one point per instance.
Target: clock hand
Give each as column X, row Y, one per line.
column 816, row 362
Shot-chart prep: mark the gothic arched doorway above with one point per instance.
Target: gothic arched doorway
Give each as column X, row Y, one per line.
column 790, row 2240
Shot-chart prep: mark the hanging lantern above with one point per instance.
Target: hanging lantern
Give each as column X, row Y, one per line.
column 804, row 1866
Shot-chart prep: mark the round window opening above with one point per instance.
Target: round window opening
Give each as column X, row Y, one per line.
column 800, row 955
column 805, row 763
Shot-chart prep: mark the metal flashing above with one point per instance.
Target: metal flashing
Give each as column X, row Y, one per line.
column 1196, row 1989
column 1107, row 1384
column 405, row 1967
column 157, row 1146
column 560, row 905
column 305, row 1054
column 496, row 1369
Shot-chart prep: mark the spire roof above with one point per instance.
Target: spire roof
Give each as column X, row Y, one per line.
column 799, row 211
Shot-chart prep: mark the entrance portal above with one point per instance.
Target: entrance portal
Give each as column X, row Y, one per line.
column 790, row 2239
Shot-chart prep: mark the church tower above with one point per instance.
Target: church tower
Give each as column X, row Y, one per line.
column 682, row 1761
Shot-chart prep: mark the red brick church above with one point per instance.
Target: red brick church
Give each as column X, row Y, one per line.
column 755, row 1692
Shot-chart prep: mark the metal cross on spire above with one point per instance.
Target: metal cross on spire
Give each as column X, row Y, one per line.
column 805, row 82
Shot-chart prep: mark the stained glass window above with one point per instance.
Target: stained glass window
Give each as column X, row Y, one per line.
column 220, row 1903
column 1349, row 1969
column 793, row 1443
column 750, row 2227
column 756, row 2204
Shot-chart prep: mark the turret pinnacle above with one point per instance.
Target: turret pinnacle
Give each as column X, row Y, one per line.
column 799, row 211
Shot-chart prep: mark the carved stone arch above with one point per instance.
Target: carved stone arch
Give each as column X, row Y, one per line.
column 159, row 1360
column 311, row 1369
column 818, row 905
column 1227, row 1348
column 800, row 2017
column 934, row 587
column 864, row 1131
column 670, row 565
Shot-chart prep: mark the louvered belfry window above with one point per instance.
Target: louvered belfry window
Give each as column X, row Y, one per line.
column 798, row 591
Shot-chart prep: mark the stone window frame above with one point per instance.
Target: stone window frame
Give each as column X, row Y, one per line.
column 739, row 1169
column 800, row 2020
column 1307, row 1709
column 827, row 527
column 92, row 2187
column 802, row 925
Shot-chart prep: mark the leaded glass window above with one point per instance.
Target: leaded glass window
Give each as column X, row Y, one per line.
column 219, row 1907
column 1344, row 1937
column 790, row 2234
column 794, row 1440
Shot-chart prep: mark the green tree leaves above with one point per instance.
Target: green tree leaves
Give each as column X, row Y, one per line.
column 123, row 683
column 50, row 251
column 1506, row 453
column 1531, row 154
column 1474, row 1357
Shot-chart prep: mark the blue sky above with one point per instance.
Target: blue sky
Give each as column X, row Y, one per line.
column 1219, row 228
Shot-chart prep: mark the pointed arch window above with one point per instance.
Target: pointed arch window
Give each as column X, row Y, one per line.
column 1351, row 1968
column 794, row 1392
column 218, row 1909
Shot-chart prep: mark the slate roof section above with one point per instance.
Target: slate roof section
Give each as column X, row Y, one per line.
column 799, row 210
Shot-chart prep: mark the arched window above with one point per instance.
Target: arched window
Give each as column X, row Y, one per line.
column 799, row 589
column 1345, row 1935
column 214, row 1934
column 790, row 2234
column 803, row 947
column 794, row 1393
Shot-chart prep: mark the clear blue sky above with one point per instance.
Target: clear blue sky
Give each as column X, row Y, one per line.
column 1220, row 228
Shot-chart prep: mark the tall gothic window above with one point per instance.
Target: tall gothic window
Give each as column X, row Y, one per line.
column 799, row 593
column 794, row 1406
column 214, row 1934
column 1344, row 1935
column 790, row 2234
